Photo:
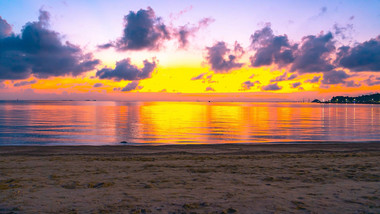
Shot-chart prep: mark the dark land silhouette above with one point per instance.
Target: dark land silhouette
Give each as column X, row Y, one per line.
column 368, row 99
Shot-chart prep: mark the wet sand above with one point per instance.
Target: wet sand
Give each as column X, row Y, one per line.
column 287, row 178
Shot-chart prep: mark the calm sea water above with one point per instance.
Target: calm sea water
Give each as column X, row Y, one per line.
column 109, row 123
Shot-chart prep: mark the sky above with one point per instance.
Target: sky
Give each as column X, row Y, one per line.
column 188, row 50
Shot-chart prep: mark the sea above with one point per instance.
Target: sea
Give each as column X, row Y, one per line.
column 49, row 123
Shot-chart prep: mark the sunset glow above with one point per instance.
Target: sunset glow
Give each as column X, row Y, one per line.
column 232, row 51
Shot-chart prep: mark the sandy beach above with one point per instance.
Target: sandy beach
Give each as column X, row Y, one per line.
column 286, row 178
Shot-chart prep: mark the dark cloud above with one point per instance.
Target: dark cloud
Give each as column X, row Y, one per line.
column 334, row 77
column 292, row 77
column 199, row 77
column 106, row 46
column 248, row 84
column 184, row 32
column 280, row 78
column 238, row 50
column 39, row 51
column 23, row 83
column 131, row 86
column 363, row 57
column 315, row 79
column 210, row 89
column 270, row 48
column 372, row 80
column 5, row 28
column 216, row 58
column 124, row 70
column 142, row 30
column 313, row 54
column 352, row 84
column 296, row 84
column 262, row 37
column 284, row 77
column 271, row 87
column 97, row 85
column 208, row 79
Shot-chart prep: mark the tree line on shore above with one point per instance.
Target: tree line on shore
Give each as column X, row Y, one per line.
column 369, row 99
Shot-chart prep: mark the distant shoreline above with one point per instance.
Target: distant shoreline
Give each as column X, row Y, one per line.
column 363, row 99
column 344, row 103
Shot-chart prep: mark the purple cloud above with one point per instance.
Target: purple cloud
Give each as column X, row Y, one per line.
column 248, row 84
column 313, row 54
column 200, row 76
column 210, row 89
column 315, row 79
column 124, row 70
column 270, row 48
column 280, row 78
column 334, row 77
column 292, row 77
column 39, row 51
column 131, row 86
column 296, row 84
column 5, row 28
column 23, row 83
column 216, row 58
column 271, row 87
column 344, row 32
column 363, row 57
column 352, row 84
column 97, row 85
column 142, row 30
column 184, row 32
column 372, row 80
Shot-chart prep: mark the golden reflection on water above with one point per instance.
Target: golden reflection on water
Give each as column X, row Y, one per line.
column 172, row 121
column 101, row 123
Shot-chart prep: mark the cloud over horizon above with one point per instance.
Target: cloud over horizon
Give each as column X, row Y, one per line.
column 334, row 77
column 131, row 86
column 271, row 87
column 124, row 70
column 24, row 83
column 248, row 84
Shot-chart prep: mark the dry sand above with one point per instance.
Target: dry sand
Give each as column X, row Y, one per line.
column 312, row 178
